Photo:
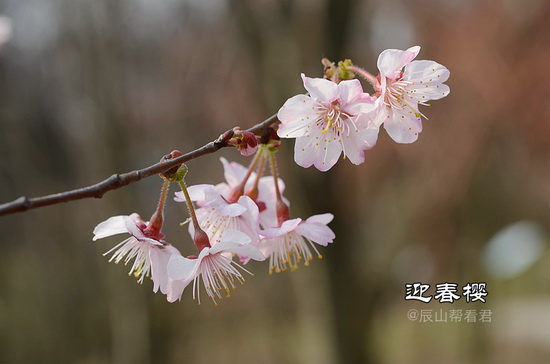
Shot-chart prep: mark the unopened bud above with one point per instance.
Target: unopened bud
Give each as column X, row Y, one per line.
column 328, row 68
column 344, row 73
column 244, row 141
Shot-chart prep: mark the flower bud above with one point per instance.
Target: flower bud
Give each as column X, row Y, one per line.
column 244, row 141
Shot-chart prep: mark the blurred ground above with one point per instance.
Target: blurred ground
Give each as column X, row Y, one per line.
column 91, row 88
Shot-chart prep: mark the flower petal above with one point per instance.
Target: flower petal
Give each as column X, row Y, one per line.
column 363, row 104
column 316, row 232
column 175, row 290
column 403, row 127
column 233, row 172
column 296, row 113
column 391, row 61
column 181, row 268
column 243, row 250
column 285, row 227
column 112, row 226
column 320, row 218
column 429, row 72
column 196, row 193
column 321, row 89
column 235, row 236
column 214, row 200
column 349, row 90
column 159, row 266
column 328, row 152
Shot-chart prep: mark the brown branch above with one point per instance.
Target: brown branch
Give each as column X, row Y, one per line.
column 119, row 180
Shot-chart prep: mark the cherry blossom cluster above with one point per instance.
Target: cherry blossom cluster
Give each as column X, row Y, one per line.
column 247, row 217
column 337, row 116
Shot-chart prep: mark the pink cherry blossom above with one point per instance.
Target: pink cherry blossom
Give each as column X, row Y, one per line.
column 234, row 174
column 286, row 245
column 217, row 215
column 150, row 253
column 401, row 91
column 326, row 123
column 214, row 266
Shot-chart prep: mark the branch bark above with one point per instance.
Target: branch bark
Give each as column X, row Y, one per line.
column 123, row 179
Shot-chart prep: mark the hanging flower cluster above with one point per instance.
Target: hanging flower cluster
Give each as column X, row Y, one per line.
column 247, row 217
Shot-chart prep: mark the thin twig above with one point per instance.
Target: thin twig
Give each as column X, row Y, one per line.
column 119, row 180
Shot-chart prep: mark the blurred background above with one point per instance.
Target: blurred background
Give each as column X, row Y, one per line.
column 92, row 88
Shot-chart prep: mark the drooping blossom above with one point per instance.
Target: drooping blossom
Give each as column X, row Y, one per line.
column 289, row 244
column 149, row 252
column 402, row 90
column 331, row 120
column 216, row 213
column 214, row 266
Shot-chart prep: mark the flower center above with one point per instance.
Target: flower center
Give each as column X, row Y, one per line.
column 290, row 250
column 219, row 273
column 333, row 118
column 395, row 96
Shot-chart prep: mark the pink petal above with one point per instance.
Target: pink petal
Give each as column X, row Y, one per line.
column 318, row 233
column 214, row 200
column 391, row 61
column 249, row 221
column 366, row 132
column 196, row 193
column 181, row 268
column 352, row 149
column 233, row 172
column 175, row 290
column 320, row 219
column 296, row 129
column 304, row 151
column 422, row 93
column 363, row 104
column 349, row 90
column 285, row 227
column 159, row 266
column 429, row 72
column 403, row 127
column 234, row 236
column 112, row 226
column 297, row 110
column 321, row 89
column 328, row 153
column 246, row 250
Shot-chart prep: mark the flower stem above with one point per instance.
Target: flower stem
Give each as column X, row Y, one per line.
column 367, row 76
column 155, row 222
column 200, row 238
column 283, row 212
column 238, row 191
column 253, row 191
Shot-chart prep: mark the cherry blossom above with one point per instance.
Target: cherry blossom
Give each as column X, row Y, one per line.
column 287, row 245
column 150, row 253
column 402, row 90
column 214, row 266
column 331, row 120
column 216, row 214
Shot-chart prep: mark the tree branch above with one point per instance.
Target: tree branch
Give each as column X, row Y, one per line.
column 119, row 180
